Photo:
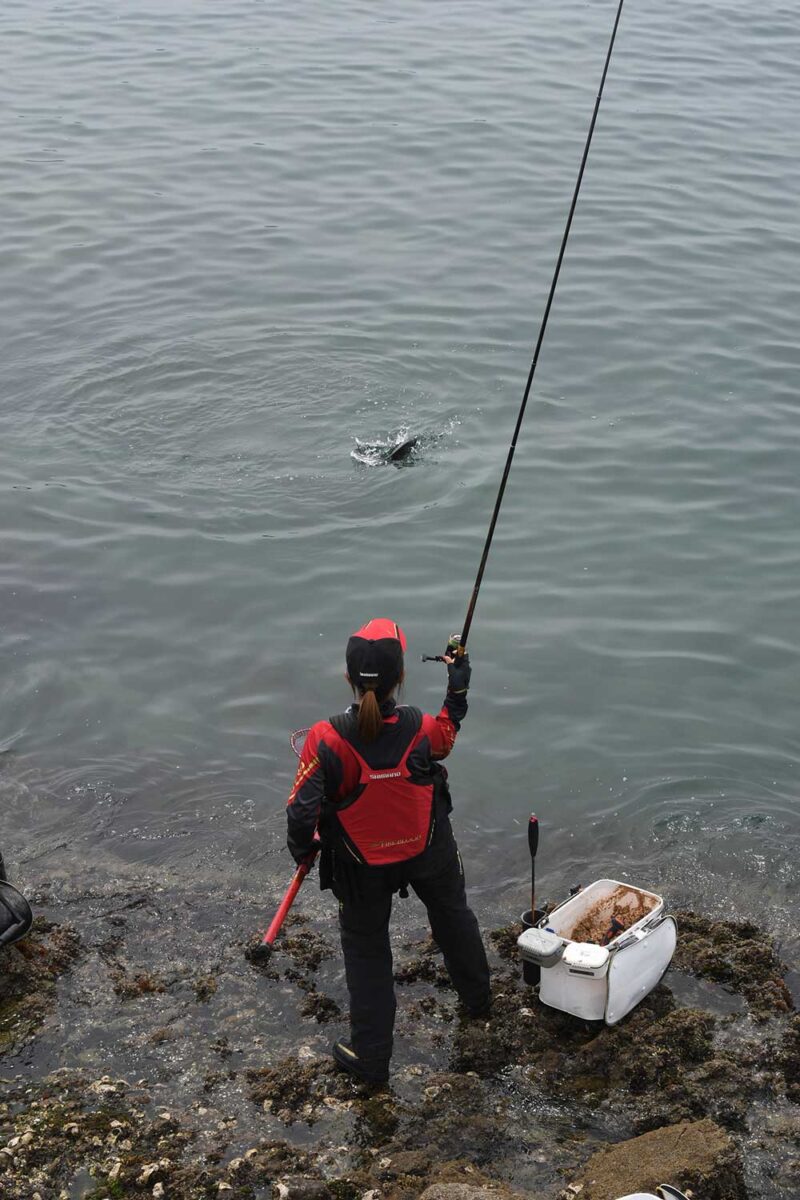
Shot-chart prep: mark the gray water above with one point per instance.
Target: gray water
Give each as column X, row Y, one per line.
column 237, row 237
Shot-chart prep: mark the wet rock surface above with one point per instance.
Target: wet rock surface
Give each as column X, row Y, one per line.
column 29, row 971
column 307, row 948
column 465, row 1191
column 697, row 1157
column 504, row 940
column 738, row 954
column 194, row 1073
column 298, row 1091
column 790, row 1058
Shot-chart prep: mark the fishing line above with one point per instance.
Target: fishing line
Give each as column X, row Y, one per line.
column 498, row 502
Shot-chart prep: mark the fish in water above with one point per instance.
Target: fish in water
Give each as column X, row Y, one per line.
column 397, row 449
column 401, row 452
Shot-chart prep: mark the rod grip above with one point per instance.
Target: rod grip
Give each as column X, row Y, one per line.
column 288, row 900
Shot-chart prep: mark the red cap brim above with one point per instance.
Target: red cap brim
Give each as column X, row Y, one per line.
column 379, row 628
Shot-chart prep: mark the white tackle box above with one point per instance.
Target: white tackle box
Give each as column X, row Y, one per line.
column 593, row 981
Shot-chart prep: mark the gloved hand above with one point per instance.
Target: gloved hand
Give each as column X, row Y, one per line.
column 303, row 855
column 303, row 851
column 458, row 674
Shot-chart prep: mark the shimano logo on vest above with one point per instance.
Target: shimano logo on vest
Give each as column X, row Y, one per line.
column 385, row 774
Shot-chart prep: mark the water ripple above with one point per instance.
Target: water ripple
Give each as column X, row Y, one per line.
column 236, row 246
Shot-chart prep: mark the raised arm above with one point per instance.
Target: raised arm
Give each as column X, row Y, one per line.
column 442, row 728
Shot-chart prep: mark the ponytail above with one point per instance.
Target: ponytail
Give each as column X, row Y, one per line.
column 370, row 720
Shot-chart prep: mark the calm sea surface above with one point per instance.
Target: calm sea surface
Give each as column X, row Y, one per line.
column 236, row 237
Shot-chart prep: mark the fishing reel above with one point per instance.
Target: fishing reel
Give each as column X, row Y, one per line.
column 453, row 645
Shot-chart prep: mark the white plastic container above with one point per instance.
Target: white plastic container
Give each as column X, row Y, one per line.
column 665, row 1192
column 601, row 982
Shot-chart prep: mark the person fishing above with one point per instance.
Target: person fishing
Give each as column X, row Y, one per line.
column 370, row 787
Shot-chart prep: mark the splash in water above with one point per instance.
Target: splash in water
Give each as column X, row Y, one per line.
column 400, row 448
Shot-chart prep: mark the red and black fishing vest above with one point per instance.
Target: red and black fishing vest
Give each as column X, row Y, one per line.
column 389, row 817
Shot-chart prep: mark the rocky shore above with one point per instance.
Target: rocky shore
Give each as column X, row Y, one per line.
column 699, row 1086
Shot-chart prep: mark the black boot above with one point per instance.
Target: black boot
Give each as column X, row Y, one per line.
column 370, row 1070
column 482, row 1009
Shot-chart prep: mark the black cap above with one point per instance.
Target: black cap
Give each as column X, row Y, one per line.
column 374, row 656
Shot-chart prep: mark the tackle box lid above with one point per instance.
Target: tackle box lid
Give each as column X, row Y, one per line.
column 541, row 946
column 585, row 956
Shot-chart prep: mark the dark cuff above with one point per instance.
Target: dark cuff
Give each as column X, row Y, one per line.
column 300, row 843
column 455, row 704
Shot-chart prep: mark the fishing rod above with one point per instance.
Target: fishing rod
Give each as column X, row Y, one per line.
column 458, row 647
